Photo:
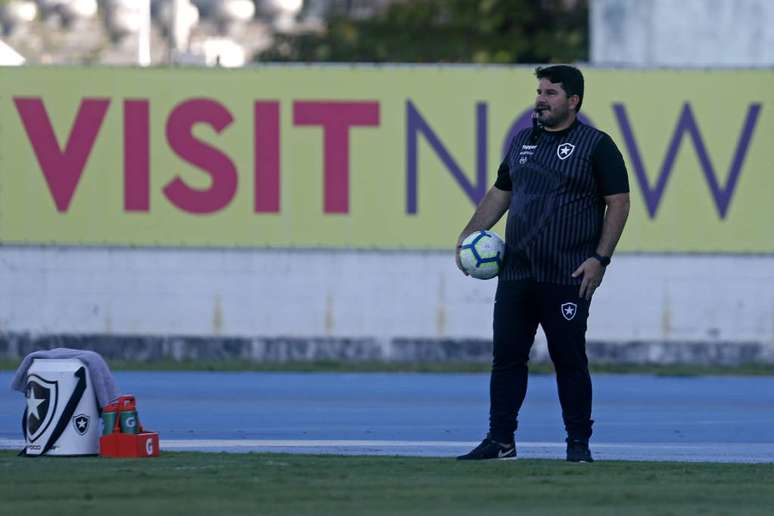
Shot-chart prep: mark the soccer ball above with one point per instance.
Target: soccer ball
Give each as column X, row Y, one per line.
column 481, row 254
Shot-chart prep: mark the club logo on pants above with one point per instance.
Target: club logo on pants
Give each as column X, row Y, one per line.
column 569, row 310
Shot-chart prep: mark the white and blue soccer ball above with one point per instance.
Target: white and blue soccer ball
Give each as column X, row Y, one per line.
column 481, row 254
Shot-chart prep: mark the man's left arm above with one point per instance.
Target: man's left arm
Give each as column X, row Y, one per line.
column 615, row 219
column 610, row 174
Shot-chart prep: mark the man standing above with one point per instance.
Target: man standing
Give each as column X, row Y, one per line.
column 565, row 188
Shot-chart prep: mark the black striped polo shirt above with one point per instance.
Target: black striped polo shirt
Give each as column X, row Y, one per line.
column 557, row 182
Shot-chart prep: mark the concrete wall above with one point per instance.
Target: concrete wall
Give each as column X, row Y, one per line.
column 389, row 302
column 682, row 33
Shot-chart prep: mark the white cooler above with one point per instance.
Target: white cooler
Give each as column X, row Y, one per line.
column 62, row 416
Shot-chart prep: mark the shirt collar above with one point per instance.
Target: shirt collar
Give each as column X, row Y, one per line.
column 564, row 131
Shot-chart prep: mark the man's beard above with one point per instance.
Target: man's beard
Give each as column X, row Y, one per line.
column 552, row 118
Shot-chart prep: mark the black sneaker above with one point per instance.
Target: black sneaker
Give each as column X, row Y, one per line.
column 489, row 449
column 578, row 451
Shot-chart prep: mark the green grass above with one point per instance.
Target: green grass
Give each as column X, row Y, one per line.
column 751, row 369
column 198, row 483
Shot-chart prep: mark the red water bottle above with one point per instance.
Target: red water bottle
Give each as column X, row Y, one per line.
column 109, row 415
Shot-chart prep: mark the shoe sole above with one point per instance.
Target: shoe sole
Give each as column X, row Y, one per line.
column 513, row 457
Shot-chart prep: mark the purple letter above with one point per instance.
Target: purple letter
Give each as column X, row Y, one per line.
column 687, row 122
column 415, row 124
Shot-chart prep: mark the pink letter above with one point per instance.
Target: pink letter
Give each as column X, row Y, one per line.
column 336, row 119
column 136, row 155
column 220, row 168
column 267, row 157
column 62, row 170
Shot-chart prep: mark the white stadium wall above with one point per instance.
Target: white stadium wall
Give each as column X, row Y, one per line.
column 671, row 304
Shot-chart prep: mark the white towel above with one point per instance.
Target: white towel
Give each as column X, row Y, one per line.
column 101, row 378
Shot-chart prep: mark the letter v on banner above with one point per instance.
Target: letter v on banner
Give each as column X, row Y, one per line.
column 687, row 123
column 61, row 169
column 416, row 124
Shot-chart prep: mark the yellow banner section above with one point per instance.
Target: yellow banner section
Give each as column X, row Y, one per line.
column 360, row 157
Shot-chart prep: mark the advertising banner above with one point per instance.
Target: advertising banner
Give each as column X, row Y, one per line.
column 363, row 157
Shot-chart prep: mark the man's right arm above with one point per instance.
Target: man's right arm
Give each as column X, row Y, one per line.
column 494, row 204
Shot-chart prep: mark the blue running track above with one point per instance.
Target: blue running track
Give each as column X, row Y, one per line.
column 638, row 417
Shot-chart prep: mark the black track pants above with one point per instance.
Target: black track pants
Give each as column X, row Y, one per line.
column 519, row 307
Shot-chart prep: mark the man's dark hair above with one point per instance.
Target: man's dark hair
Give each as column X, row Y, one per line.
column 570, row 77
